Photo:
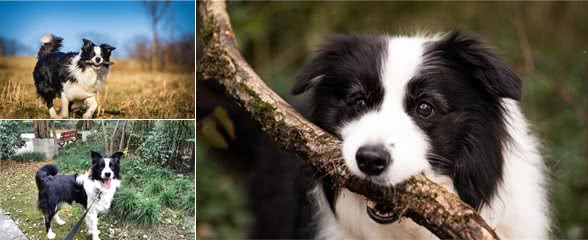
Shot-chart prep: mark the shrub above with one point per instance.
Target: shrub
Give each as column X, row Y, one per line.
column 9, row 139
column 132, row 206
column 29, row 157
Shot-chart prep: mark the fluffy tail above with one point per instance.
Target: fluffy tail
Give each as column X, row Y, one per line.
column 51, row 43
column 44, row 172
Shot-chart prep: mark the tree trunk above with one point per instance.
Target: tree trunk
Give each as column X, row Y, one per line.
column 425, row 202
column 41, row 128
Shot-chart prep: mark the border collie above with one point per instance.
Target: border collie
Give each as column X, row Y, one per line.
column 71, row 76
column 54, row 190
column 442, row 105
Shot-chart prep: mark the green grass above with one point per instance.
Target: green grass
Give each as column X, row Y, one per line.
column 29, row 157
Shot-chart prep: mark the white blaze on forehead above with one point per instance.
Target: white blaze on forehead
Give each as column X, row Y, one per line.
column 98, row 51
column 390, row 125
column 107, row 167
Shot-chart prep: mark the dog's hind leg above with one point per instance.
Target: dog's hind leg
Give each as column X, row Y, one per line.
column 50, row 233
column 92, row 106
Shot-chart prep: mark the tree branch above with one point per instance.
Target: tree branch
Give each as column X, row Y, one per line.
column 425, row 202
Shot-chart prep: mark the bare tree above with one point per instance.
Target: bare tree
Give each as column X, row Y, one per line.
column 425, row 202
column 156, row 11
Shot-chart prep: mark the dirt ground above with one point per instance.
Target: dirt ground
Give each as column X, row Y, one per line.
column 19, row 196
column 129, row 93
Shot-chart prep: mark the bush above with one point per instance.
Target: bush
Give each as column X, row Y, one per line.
column 131, row 205
column 9, row 139
column 29, row 157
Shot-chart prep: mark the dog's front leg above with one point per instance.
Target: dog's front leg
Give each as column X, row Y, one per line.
column 64, row 106
column 92, row 104
column 92, row 225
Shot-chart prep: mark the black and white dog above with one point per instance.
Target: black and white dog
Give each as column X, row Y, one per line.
column 54, row 190
column 71, row 76
column 441, row 105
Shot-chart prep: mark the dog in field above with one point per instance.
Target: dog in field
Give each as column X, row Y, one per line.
column 98, row 186
column 72, row 76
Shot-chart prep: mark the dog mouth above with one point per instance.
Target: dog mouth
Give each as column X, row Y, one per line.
column 379, row 212
column 106, row 183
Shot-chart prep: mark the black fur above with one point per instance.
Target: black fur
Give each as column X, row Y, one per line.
column 55, row 189
column 462, row 79
column 51, row 71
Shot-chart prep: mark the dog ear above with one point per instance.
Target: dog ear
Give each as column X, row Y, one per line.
column 107, row 47
column 496, row 76
column 87, row 43
column 117, row 156
column 95, row 157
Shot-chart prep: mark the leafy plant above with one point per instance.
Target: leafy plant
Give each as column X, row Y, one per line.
column 9, row 139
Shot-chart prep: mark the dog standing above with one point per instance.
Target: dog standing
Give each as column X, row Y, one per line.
column 71, row 76
column 100, row 183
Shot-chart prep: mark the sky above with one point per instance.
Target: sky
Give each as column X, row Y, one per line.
column 115, row 23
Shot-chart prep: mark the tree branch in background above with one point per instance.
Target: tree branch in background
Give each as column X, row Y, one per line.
column 425, row 202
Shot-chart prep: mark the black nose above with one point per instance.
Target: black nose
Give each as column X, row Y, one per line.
column 107, row 174
column 372, row 160
column 98, row 59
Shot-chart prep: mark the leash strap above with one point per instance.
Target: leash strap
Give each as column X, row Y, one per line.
column 76, row 228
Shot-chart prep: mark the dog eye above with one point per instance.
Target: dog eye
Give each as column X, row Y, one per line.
column 425, row 110
column 359, row 103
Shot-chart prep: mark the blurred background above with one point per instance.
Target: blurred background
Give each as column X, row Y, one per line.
column 546, row 43
column 154, row 56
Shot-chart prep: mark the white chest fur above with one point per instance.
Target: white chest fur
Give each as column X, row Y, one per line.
column 88, row 82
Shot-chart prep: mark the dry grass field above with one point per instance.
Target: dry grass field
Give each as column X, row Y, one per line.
column 129, row 93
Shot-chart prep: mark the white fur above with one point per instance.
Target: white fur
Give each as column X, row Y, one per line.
column 88, row 83
column 103, row 204
column 390, row 125
column 520, row 209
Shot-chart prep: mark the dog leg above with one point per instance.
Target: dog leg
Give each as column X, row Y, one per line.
column 50, row 233
column 92, row 104
column 52, row 113
column 92, row 225
column 58, row 219
column 64, row 106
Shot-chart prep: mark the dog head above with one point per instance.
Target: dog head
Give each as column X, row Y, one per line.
column 407, row 105
column 95, row 56
column 105, row 169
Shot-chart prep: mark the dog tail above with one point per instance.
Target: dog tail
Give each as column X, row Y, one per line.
column 45, row 171
column 51, row 43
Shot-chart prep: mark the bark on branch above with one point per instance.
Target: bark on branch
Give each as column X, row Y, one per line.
column 425, row 202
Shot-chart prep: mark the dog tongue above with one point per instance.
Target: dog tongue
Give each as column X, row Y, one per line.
column 106, row 183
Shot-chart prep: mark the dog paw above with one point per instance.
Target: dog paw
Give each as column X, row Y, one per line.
column 60, row 222
column 87, row 115
column 50, row 235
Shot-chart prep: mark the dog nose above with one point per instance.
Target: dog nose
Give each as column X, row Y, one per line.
column 372, row 160
column 98, row 59
column 107, row 174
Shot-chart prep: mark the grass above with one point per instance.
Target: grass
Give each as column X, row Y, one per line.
column 29, row 157
column 138, row 208
column 129, row 92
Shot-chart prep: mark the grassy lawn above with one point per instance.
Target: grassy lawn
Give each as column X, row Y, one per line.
column 19, row 196
column 129, row 92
